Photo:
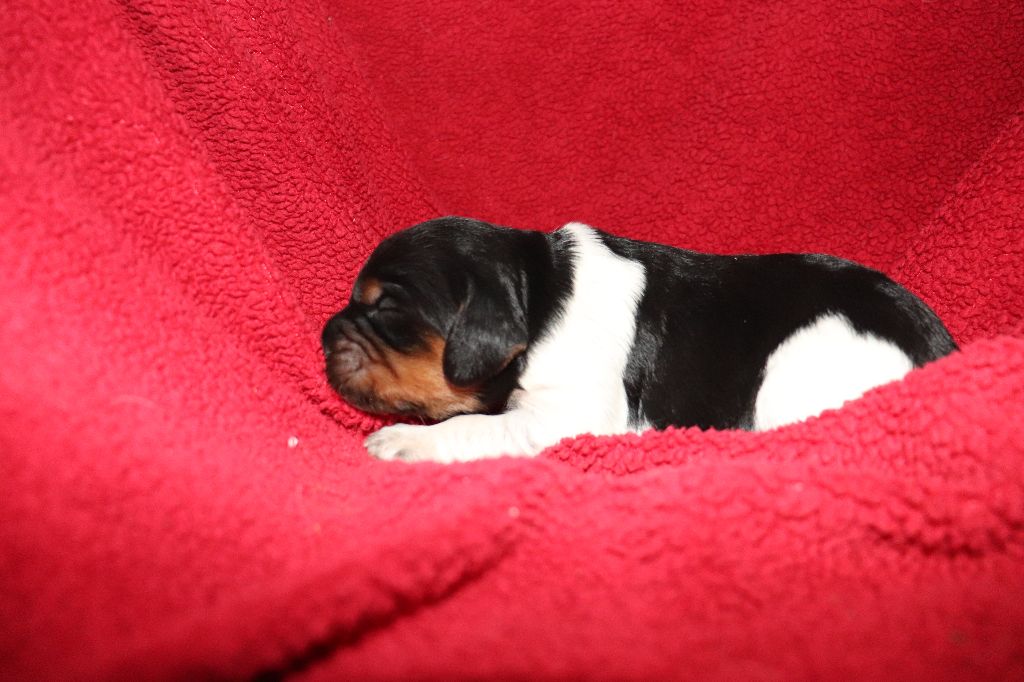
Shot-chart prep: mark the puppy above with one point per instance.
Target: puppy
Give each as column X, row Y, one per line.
column 517, row 339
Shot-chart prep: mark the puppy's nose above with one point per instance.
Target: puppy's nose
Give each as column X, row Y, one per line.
column 332, row 330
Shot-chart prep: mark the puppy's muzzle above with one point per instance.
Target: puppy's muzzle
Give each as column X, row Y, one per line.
column 348, row 351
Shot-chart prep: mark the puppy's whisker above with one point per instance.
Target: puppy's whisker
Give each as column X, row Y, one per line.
column 365, row 345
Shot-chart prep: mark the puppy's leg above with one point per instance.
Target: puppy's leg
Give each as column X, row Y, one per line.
column 466, row 437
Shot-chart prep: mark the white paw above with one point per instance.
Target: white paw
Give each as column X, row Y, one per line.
column 404, row 442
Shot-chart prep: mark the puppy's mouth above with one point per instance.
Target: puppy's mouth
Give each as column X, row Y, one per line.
column 349, row 359
column 358, row 362
column 375, row 377
column 369, row 402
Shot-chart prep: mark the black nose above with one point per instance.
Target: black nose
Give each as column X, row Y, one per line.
column 332, row 330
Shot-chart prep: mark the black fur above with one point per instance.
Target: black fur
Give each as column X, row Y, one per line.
column 706, row 324
column 489, row 291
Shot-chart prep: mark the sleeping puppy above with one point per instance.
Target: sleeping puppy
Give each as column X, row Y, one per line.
column 514, row 339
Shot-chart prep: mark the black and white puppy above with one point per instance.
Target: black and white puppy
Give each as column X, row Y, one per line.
column 517, row 339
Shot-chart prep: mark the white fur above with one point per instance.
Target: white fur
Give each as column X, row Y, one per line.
column 572, row 383
column 821, row 367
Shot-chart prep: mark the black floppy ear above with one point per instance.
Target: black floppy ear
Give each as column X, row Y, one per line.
column 488, row 333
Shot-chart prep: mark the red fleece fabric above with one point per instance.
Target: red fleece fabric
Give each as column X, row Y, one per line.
column 187, row 190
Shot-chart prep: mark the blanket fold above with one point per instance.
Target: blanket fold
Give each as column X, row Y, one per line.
column 188, row 189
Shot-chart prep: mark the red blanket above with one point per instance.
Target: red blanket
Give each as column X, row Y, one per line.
column 187, row 189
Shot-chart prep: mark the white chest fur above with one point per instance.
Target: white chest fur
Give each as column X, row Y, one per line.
column 575, row 371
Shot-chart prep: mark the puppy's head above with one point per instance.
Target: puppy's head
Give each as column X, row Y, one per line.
column 435, row 324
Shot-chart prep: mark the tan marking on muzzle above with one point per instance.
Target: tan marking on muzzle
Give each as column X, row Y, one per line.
column 417, row 378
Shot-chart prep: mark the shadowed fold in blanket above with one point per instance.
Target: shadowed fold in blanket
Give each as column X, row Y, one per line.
column 187, row 190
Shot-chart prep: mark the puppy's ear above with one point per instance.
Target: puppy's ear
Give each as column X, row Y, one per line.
column 488, row 333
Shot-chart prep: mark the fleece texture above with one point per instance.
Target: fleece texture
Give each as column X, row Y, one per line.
column 187, row 190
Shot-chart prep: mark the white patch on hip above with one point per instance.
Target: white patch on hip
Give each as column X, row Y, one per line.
column 820, row 367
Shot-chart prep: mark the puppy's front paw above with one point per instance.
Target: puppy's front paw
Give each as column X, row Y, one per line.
column 404, row 442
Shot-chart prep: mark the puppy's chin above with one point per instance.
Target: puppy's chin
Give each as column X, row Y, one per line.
column 390, row 388
column 368, row 402
column 346, row 375
column 374, row 405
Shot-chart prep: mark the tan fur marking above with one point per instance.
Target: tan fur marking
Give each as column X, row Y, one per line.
column 418, row 378
column 369, row 291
